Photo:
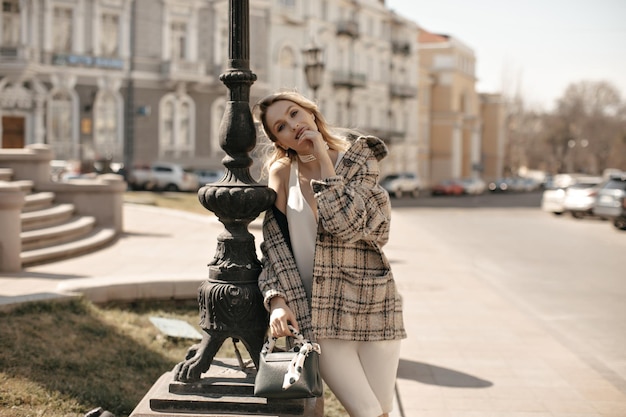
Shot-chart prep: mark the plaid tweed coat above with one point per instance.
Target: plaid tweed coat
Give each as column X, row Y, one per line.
column 354, row 295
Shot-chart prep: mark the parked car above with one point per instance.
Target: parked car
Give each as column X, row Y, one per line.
column 165, row 176
column 553, row 198
column 208, row 176
column 580, row 198
column 611, row 201
column 448, row 187
column 399, row 184
column 473, row 186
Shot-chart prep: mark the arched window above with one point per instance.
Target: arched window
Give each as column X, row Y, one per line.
column 108, row 141
column 109, row 37
column 10, row 23
column 177, row 126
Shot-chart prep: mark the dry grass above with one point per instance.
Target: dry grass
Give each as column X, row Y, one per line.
column 179, row 201
column 64, row 359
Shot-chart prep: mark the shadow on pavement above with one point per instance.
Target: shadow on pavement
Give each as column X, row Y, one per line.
column 435, row 375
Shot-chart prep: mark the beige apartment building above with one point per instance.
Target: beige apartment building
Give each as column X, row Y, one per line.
column 461, row 131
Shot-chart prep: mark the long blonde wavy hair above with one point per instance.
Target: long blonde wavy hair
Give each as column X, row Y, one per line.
column 331, row 135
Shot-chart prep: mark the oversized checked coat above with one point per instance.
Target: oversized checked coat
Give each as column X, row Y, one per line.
column 354, row 295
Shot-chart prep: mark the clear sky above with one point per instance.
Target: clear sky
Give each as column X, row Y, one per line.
column 534, row 47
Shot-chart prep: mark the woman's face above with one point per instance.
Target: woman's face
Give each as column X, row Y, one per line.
column 287, row 121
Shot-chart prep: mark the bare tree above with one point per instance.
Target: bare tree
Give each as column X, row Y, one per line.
column 590, row 126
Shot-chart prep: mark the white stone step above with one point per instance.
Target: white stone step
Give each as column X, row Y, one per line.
column 6, row 174
column 97, row 239
column 47, row 217
column 66, row 232
column 38, row 201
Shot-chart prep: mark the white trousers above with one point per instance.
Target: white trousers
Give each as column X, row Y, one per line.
column 362, row 375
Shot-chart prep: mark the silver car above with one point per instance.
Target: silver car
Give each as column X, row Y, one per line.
column 611, row 201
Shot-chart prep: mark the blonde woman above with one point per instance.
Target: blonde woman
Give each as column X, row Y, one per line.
column 324, row 271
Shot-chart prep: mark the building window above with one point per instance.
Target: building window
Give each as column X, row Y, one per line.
column 287, row 66
column 10, row 23
column 60, row 131
column 176, row 133
column 107, row 140
column 178, row 41
column 62, row 28
column 109, row 36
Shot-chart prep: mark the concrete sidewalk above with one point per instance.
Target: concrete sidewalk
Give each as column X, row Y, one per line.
column 469, row 352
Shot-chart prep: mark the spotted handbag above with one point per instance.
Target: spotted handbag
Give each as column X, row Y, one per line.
column 291, row 374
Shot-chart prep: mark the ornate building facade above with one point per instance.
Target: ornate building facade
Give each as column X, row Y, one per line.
column 137, row 81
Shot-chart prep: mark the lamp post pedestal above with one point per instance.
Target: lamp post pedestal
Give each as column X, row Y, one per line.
column 225, row 390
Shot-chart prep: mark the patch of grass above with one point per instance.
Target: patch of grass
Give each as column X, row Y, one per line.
column 64, row 359
column 174, row 200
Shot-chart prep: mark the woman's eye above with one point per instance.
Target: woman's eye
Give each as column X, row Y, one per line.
column 279, row 128
column 293, row 113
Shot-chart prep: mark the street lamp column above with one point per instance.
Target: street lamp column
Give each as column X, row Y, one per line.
column 230, row 302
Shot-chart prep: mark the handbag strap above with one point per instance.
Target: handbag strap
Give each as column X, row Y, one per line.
column 269, row 344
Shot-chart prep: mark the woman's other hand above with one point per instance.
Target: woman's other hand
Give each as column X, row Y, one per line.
column 280, row 318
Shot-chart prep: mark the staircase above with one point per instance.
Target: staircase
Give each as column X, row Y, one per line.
column 52, row 232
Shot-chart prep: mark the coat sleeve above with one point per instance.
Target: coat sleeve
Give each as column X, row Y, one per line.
column 269, row 283
column 355, row 207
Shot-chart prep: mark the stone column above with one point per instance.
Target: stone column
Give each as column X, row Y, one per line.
column 11, row 203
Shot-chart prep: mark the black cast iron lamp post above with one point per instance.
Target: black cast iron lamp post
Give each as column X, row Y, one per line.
column 230, row 301
column 313, row 68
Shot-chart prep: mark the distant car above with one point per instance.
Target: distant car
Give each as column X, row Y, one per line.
column 448, row 187
column 553, row 198
column 580, row 198
column 401, row 184
column 165, row 176
column 611, row 201
column 208, row 176
column 473, row 186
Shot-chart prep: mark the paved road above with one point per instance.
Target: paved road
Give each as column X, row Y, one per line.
column 568, row 274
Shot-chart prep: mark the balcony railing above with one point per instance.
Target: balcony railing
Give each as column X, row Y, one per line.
column 348, row 28
column 402, row 91
column 349, row 79
column 401, row 47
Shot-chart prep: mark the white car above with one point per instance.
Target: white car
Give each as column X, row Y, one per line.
column 402, row 183
column 580, row 198
column 553, row 199
column 165, row 176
